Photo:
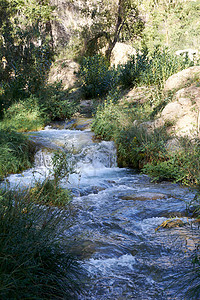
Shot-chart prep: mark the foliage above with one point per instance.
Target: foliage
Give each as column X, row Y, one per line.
column 23, row 115
column 131, row 72
column 181, row 165
column 147, row 150
column 96, row 76
column 110, row 22
column 63, row 165
column 15, row 152
column 54, row 102
column 109, row 117
column 49, row 193
column 136, row 146
column 34, row 264
column 151, row 69
column 162, row 15
column 25, row 46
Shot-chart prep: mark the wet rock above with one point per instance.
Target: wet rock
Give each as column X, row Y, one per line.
column 83, row 249
column 173, row 214
column 171, row 224
column 91, row 190
column 79, row 123
column 70, row 124
column 144, row 196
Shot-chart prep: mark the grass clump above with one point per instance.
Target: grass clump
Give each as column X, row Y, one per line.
column 16, row 152
column 34, row 264
column 50, row 194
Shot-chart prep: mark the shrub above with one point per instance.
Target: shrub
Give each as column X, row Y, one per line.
column 109, row 118
column 136, row 146
column 96, row 77
column 151, row 69
column 54, row 103
column 130, row 72
column 34, row 264
column 181, row 165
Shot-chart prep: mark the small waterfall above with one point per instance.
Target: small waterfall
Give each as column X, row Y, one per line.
column 43, row 158
column 89, row 157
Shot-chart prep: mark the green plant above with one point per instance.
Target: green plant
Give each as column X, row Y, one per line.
column 49, row 193
column 23, row 116
column 54, row 102
column 96, row 77
column 151, row 68
column 16, row 152
column 35, row 260
column 63, row 165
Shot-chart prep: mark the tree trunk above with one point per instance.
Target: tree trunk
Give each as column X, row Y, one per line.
column 118, row 27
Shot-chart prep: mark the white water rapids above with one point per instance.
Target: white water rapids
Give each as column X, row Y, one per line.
column 117, row 214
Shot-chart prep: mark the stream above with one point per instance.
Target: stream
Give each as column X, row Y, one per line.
column 117, row 212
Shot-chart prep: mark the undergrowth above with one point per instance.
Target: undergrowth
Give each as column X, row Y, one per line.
column 16, row 152
column 147, row 150
column 34, row 263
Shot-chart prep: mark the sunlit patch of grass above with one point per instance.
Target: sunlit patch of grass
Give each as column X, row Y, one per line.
column 23, row 116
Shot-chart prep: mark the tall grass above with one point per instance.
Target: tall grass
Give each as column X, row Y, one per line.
column 151, row 68
column 35, row 261
column 16, row 152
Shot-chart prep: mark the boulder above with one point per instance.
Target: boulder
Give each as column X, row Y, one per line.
column 182, row 78
column 120, row 54
column 144, row 196
column 184, row 112
column 64, row 71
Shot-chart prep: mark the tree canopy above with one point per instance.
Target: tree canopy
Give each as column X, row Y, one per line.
column 111, row 21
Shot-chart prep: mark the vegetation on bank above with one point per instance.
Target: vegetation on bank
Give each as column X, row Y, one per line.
column 16, row 152
column 147, row 151
column 138, row 147
column 35, row 261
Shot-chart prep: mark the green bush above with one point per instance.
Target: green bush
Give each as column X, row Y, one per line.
column 16, row 152
column 130, row 73
column 96, row 77
column 35, row 261
column 136, row 146
column 151, row 69
column 54, row 102
column 181, row 165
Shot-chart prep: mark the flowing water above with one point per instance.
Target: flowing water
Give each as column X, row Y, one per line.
column 117, row 212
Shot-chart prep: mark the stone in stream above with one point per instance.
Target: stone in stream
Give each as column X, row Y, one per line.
column 171, row 224
column 144, row 196
column 79, row 123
